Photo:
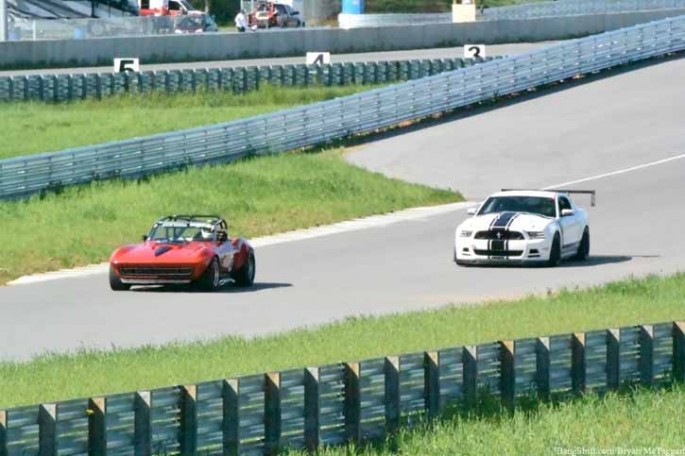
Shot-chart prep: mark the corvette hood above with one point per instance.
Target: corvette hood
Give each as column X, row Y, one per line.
column 161, row 253
column 512, row 221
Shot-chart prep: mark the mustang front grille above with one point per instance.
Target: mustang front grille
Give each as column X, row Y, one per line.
column 499, row 234
column 499, row 253
column 162, row 272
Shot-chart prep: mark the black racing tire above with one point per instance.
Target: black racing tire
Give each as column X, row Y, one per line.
column 555, row 252
column 244, row 277
column 115, row 282
column 584, row 247
column 211, row 278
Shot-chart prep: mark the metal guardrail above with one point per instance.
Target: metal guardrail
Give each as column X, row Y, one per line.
column 322, row 122
column 514, row 12
column 345, row 402
column 68, row 87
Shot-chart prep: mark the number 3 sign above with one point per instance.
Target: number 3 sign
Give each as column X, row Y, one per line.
column 474, row 50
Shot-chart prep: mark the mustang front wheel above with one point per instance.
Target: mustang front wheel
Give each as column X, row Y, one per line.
column 555, row 252
column 584, row 247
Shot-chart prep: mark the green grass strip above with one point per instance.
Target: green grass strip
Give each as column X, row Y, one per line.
column 37, row 127
column 59, row 377
column 642, row 422
column 260, row 196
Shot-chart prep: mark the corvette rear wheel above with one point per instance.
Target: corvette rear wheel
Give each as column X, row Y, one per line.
column 211, row 278
column 115, row 282
column 555, row 252
column 584, row 247
column 244, row 277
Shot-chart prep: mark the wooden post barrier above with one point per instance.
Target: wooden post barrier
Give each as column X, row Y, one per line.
column 646, row 360
column 613, row 358
column 97, row 428
column 470, row 365
column 188, row 408
column 231, row 419
column 578, row 363
column 312, row 408
column 392, row 394
column 352, row 404
column 542, row 368
column 431, row 386
column 679, row 351
column 47, row 430
column 507, row 373
column 272, row 413
column 143, row 424
column 3, row 433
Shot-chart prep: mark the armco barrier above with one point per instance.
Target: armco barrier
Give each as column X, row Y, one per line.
column 344, row 402
column 339, row 118
column 67, row 87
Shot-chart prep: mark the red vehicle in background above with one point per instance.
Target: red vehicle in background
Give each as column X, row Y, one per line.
column 273, row 14
column 184, row 249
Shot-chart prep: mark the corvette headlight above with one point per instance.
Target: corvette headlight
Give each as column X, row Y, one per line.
column 536, row 234
column 465, row 233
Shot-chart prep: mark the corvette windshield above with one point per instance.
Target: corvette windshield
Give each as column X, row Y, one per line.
column 532, row 204
column 181, row 233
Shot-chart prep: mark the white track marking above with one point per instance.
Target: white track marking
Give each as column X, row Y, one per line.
column 375, row 221
column 620, row 171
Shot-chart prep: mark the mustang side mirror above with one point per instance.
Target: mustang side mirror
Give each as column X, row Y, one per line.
column 144, row 237
column 567, row 212
column 471, row 210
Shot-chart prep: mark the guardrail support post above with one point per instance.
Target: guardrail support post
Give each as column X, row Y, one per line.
column 578, row 363
column 272, row 413
column 679, row 351
column 47, row 430
column 188, row 419
column 470, row 365
column 312, row 408
column 143, row 425
column 352, row 405
column 431, row 388
column 97, row 430
column 646, row 360
column 613, row 358
column 542, row 363
column 3, row 433
column 392, row 394
column 507, row 373
column 231, row 417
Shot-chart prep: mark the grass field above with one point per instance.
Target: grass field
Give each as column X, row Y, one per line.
column 36, row 127
column 259, row 196
column 640, row 421
column 49, row 378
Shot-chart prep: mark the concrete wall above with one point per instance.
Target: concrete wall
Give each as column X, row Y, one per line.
column 226, row 46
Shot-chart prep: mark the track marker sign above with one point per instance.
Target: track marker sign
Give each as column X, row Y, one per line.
column 122, row 65
column 474, row 50
column 318, row 58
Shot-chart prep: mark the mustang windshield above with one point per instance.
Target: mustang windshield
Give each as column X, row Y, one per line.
column 533, row 204
column 181, row 232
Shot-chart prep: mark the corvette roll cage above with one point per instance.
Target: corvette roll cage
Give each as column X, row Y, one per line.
column 218, row 224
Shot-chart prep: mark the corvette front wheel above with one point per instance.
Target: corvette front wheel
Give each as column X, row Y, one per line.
column 115, row 282
column 211, row 278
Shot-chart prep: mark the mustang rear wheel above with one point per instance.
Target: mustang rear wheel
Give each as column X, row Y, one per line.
column 555, row 252
column 584, row 247
column 115, row 282
column 211, row 279
column 244, row 277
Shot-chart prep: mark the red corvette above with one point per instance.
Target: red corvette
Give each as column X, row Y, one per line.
column 184, row 249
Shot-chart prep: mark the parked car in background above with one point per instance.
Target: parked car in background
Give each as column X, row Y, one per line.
column 196, row 23
column 273, row 14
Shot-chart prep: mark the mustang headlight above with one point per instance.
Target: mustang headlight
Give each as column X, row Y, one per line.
column 536, row 234
column 465, row 233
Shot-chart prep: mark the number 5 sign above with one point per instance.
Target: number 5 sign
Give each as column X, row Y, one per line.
column 122, row 65
column 474, row 50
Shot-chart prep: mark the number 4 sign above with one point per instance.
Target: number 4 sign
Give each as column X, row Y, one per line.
column 122, row 65
column 474, row 50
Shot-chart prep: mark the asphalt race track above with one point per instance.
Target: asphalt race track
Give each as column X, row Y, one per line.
column 627, row 127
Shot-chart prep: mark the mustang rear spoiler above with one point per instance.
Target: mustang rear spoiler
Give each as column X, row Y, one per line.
column 584, row 192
